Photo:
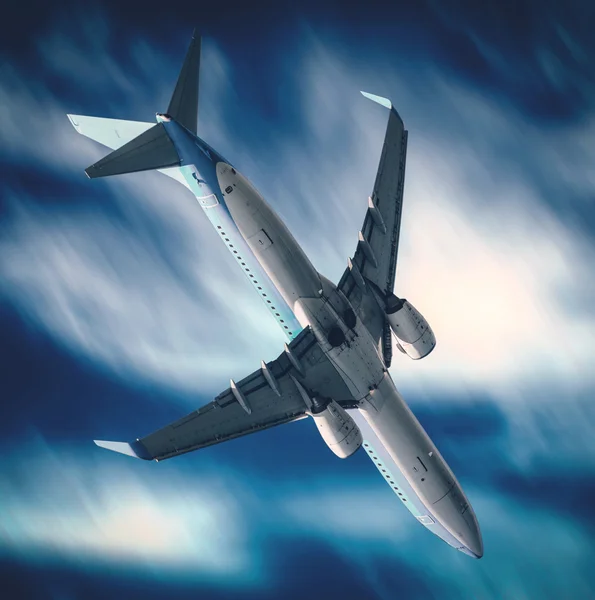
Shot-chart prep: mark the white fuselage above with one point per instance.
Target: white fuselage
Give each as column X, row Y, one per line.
column 410, row 462
column 298, row 296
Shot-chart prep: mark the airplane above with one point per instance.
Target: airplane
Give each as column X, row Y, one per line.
column 334, row 365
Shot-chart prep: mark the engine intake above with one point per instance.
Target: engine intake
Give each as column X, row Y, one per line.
column 415, row 337
column 338, row 430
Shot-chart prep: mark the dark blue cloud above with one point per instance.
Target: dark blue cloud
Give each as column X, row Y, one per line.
column 300, row 568
column 569, row 492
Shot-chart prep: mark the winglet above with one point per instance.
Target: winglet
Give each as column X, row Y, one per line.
column 379, row 99
column 136, row 449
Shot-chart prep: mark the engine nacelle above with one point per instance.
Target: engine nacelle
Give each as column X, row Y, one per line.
column 338, row 430
column 415, row 337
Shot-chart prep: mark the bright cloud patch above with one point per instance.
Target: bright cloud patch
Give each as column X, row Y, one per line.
column 64, row 507
column 123, row 301
column 488, row 272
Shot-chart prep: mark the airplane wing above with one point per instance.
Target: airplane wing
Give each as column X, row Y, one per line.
column 375, row 259
column 270, row 396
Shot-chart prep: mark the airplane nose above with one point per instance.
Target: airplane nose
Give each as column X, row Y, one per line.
column 477, row 547
column 472, row 540
column 463, row 523
column 470, row 553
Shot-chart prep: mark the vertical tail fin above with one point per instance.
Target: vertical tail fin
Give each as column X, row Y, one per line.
column 152, row 148
column 183, row 106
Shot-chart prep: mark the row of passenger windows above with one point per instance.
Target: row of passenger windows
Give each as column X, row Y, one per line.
column 386, row 474
column 252, row 277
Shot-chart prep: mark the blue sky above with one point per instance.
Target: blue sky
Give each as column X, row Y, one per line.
column 120, row 311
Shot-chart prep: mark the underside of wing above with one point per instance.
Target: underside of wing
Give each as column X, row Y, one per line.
column 375, row 260
column 267, row 397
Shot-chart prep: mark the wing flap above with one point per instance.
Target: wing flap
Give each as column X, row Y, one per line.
column 375, row 258
column 224, row 418
column 382, row 232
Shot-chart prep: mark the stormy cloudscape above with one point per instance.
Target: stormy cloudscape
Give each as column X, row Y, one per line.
column 120, row 311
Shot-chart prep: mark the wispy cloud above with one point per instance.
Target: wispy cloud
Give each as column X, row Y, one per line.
column 519, row 541
column 543, row 55
column 62, row 503
column 214, row 524
column 129, row 304
column 133, row 277
column 482, row 253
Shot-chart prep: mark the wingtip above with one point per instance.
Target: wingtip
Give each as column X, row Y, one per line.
column 196, row 38
column 136, row 449
column 378, row 99
column 73, row 122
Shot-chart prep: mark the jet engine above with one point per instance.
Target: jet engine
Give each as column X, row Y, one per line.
column 337, row 429
column 415, row 337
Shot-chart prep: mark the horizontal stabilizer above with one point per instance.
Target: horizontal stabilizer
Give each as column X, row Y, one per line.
column 136, row 449
column 151, row 150
column 113, row 133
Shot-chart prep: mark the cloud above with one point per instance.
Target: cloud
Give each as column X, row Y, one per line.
column 131, row 277
column 130, row 304
column 60, row 503
column 329, row 511
column 32, row 125
column 488, row 275
column 63, row 504
column 542, row 57
column 483, row 255
column 511, row 529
